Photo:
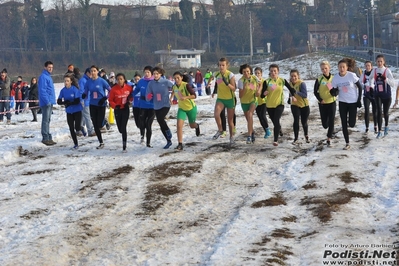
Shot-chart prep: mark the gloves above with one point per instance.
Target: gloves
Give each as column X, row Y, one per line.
column 334, row 91
column 60, row 102
column 102, row 101
column 292, row 91
column 84, row 96
column 67, row 103
column 381, row 77
column 225, row 81
column 359, row 104
column 149, row 96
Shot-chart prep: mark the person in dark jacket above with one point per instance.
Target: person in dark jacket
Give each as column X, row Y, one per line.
column 5, row 89
column 33, row 96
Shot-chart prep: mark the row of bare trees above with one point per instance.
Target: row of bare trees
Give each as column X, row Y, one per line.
column 81, row 31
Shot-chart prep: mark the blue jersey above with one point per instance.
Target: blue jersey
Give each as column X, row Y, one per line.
column 141, row 87
column 70, row 94
column 96, row 90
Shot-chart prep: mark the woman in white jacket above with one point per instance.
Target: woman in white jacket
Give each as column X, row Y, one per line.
column 382, row 81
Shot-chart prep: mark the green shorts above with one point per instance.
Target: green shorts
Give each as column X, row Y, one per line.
column 245, row 106
column 192, row 114
column 228, row 103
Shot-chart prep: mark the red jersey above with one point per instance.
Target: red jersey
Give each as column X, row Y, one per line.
column 119, row 95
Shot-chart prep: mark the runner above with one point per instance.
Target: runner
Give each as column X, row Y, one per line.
column 261, row 108
column 368, row 96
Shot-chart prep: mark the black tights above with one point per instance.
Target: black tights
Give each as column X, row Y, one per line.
column 346, row 109
column 275, row 115
column 303, row 115
column 146, row 119
column 74, row 121
column 161, row 114
column 97, row 114
column 121, row 118
column 382, row 105
column 261, row 113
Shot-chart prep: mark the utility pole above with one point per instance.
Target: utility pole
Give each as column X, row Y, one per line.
column 209, row 39
column 94, row 37
column 251, row 54
column 372, row 18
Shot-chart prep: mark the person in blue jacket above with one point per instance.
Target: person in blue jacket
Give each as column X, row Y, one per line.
column 96, row 87
column 147, row 113
column 158, row 90
column 136, row 101
column 70, row 98
column 46, row 101
column 86, row 120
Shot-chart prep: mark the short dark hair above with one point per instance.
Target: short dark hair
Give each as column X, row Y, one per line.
column 48, row 63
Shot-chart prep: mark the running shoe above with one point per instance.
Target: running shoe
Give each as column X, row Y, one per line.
column 329, row 144
column 101, row 146
column 168, row 145
column 197, row 130
column 179, row 147
column 281, row 133
column 84, row 132
column 249, row 140
column 386, row 131
column 268, row 133
column 107, row 125
column 347, row 147
column 295, row 142
column 307, row 139
column 217, row 135
column 142, row 140
column 379, row 135
column 275, row 143
column 76, row 147
column 223, row 134
column 232, row 141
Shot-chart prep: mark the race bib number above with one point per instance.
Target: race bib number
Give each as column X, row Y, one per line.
column 345, row 89
column 158, row 97
column 380, row 87
column 95, row 96
column 329, row 86
column 273, row 87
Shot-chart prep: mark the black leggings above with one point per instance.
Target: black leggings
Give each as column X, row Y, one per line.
column 366, row 103
column 223, row 117
column 136, row 115
column 327, row 115
column 303, row 115
column 146, row 118
column 121, row 118
column 74, row 121
column 275, row 115
column 261, row 113
column 346, row 109
column 161, row 114
column 97, row 114
column 382, row 105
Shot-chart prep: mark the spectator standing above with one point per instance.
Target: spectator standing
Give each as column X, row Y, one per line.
column 198, row 81
column 19, row 89
column 33, row 97
column 5, row 93
column 46, row 101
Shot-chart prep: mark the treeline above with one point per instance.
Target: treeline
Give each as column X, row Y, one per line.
column 84, row 33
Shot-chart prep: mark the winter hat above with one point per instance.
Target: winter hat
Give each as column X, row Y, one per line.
column 4, row 70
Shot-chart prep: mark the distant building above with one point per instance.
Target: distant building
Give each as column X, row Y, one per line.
column 182, row 58
column 328, row 35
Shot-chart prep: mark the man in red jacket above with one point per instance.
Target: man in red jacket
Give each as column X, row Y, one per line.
column 198, row 81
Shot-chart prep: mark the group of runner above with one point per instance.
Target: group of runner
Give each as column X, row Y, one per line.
column 154, row 96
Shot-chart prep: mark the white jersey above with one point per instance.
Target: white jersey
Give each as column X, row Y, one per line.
column 348, row 91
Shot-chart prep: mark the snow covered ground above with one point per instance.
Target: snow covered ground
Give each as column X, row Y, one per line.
column 206, row 205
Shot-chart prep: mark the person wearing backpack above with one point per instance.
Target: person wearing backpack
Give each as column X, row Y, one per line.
column 368, row 96
column 382, row 82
